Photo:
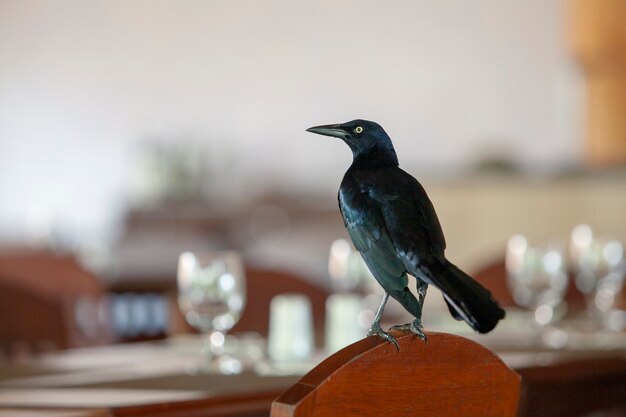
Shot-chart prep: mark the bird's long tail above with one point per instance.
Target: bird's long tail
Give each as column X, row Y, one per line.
column 466, row 298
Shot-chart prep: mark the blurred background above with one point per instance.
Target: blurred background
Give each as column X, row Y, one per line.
column 133, row 131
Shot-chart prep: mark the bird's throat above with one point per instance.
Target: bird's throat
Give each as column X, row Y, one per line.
column 376, row 157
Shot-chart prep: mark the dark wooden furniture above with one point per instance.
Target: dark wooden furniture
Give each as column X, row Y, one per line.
column 568, row 387
column 448, row 376
column 48, row 301
column 261, row 286
column 493, row 277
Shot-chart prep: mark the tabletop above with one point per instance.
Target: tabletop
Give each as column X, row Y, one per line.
column 132, row 378
column 159, row 379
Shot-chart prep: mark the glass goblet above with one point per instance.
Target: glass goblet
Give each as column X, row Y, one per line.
column 212, row 295
column 537, row 278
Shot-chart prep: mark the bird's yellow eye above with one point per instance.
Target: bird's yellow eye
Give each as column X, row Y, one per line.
column 358, row 129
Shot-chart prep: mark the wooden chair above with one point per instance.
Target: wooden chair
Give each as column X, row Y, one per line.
column 261, row 286
column 448, row 376
column 493, row 277
column 48, row 301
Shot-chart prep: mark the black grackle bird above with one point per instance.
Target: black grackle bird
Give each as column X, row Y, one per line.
column 393, row 224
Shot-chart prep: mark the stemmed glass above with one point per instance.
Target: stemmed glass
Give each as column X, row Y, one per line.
column 600, row 271
column 212, row 295
column 537, row 278
column 347, row 270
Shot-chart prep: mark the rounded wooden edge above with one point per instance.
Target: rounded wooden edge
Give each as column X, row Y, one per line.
column 298, row 393
column 354, row 351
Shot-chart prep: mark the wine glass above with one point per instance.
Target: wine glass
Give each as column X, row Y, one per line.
column 212, row 295
column 346, row 268
column 537, row 278
column 600, row 271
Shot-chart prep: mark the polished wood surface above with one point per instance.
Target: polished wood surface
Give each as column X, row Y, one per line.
column 449, row 375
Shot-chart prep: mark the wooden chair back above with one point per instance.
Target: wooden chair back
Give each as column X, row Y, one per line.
column 261, row 286
column 48, row 301
column 448, row 376
column 494, row 277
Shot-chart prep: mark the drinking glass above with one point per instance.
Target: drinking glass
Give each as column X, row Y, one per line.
column 291, row 329
column 600, row 271
column 212, row 295
column 347, row 269
column 537, row 278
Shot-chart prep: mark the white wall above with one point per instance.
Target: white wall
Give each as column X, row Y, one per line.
column 82, row 83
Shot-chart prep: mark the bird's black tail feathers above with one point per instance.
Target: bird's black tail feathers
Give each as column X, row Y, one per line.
column 467, row 299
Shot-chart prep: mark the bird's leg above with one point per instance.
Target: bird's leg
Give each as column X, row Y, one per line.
column 376, row 330
column 416, row 326
column 381, row 308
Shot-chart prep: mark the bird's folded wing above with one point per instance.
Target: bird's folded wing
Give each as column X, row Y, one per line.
column 367, row 231
column 417, row 238
column 412, row 224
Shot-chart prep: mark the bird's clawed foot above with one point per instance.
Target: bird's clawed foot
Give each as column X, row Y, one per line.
column 376, row 330
column 414, row 327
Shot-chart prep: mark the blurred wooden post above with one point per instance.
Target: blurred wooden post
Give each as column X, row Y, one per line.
column 597, row 32
column 450, row 375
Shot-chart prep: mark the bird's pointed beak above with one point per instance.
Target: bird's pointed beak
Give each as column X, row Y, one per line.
column 328, row 130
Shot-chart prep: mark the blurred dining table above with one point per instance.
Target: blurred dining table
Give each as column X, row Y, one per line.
column 138, row 379
column 159, row 379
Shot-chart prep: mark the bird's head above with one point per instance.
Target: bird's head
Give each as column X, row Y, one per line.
column 367, row 140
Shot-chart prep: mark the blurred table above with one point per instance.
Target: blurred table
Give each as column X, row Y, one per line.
column 149, row 379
